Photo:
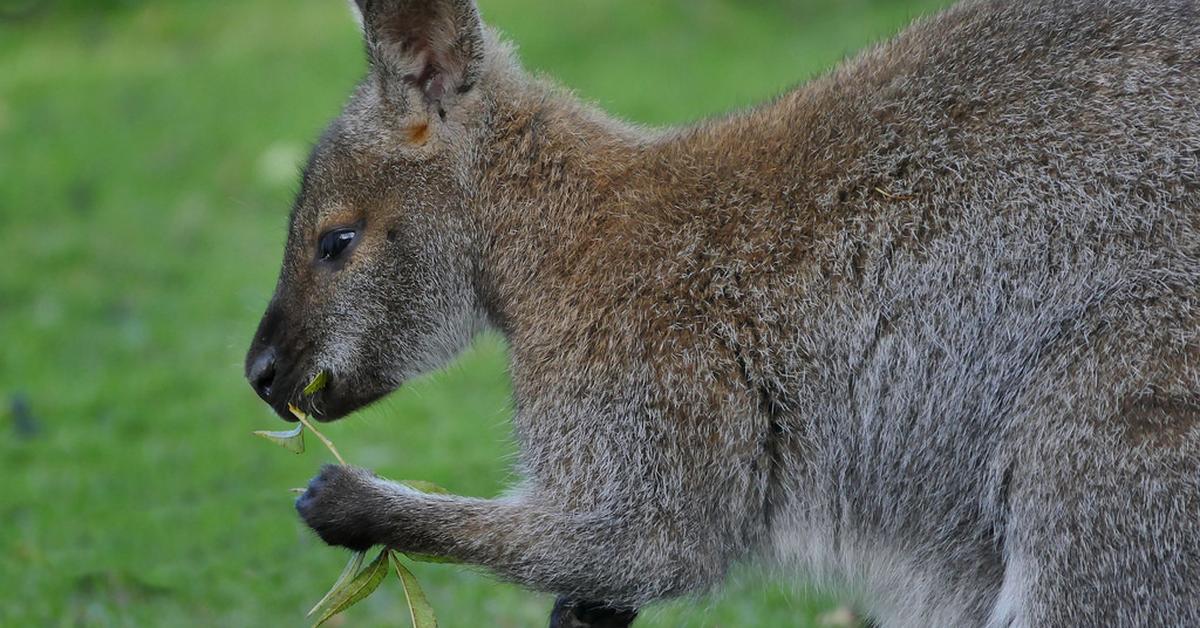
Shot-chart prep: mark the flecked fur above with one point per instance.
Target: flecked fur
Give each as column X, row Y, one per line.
column 927, row 327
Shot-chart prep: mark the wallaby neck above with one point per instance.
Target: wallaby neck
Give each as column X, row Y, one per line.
column 553, row 166
column 560, row 174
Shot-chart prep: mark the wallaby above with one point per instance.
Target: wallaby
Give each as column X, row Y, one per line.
column 926, row 328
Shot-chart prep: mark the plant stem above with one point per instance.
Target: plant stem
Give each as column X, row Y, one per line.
column 303, row 418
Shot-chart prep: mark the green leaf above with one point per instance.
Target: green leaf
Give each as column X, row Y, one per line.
column 418, row 605
column 354, row 591
column 316, row 384
column 291, row 440
column 431, row 559
column 352, row 568
column 426, row 487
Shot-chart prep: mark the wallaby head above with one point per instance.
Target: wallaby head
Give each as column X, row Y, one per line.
column 376, row 280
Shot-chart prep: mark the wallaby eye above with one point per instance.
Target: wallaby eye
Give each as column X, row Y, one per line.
column 334, row 242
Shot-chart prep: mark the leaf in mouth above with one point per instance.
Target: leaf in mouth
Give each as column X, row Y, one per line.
column 317, row 384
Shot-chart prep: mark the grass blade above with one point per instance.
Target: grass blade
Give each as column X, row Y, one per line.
column 356, row 590
column 418, row 605
column 291, row 440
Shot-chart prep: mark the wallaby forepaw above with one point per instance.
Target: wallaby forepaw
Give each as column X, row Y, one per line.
column 341, row 505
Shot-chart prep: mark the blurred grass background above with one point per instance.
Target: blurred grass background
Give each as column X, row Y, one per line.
column 148, row 156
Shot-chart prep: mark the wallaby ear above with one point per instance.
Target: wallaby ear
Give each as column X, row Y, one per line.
column 435, row 47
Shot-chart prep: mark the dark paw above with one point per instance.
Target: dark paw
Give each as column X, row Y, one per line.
column 570, row 613
column 341, row 505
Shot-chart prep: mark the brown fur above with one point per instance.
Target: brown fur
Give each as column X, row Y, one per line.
column 927, row 325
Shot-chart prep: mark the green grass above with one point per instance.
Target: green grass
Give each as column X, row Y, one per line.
column 147, row 162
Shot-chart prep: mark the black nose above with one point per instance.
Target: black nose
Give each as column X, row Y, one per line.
column 261, row 373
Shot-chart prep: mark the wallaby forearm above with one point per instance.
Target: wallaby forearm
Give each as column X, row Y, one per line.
column 617, row 558
column 624, row 558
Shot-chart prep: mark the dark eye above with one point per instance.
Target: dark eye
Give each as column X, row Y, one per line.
column 333, row 243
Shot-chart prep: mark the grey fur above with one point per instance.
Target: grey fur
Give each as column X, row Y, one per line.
column 927, row 327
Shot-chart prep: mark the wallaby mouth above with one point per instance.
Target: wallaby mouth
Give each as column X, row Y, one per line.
column 328, row 398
